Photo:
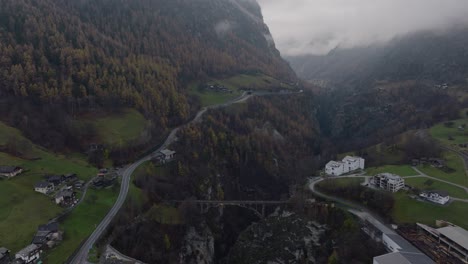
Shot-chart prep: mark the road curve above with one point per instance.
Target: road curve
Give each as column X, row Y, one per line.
column 81, row 255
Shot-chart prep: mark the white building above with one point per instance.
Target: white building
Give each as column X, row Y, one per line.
column 348, row 164
column 44, row 187
column 440, row 197
column 388, row 181
column 335, row 168
column 354, row 163
column 401, row 252
column 29, row 254
column 165, row 155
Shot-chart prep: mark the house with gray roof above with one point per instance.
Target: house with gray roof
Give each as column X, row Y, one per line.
column 10, row 171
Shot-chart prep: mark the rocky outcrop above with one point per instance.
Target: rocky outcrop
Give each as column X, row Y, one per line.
column 198, row 246
column 283, row 237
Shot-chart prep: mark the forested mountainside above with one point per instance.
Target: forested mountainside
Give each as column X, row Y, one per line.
column 371, row 93
column 61, row 58
column 251, row 151
column 438, row 56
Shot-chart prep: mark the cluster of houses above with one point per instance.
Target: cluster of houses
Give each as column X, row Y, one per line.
column 10, row 171
column 65, row 196
column 434, row 162
column 164, row 156
column 346, row 165
column 388, row 181
column 217, row 88
column 47, row 236
column 104, row 179
column 393, row 183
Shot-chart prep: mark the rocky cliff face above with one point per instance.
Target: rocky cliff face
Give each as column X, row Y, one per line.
column 283, row 237
column 198, row 246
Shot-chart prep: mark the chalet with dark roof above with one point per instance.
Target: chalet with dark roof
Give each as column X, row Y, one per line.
column 10, row 171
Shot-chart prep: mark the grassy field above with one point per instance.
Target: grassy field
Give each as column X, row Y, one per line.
column 82, row 221
column 21, row 207
column 256, row 82
column 208, row 98
column 340, row 182
column 453, row 161
column 22, row 211
column 428, row 184
column 402, row 170
column 408, row 210
column 235, row 84
column 117, row 130
column 442, row 132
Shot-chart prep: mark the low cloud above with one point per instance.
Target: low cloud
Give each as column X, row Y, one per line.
column 317, row 26
column 223, row 27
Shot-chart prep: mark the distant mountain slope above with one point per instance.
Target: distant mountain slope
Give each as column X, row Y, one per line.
column 67, row 57
column 437, row 56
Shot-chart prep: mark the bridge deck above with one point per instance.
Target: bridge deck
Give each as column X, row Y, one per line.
column 239, row 202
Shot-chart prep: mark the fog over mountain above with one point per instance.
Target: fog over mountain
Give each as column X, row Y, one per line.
column 317, row 26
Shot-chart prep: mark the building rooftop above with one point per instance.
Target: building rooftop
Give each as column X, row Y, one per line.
column 351, row 158
column 167, row 152
column 52, row 227
column 456, row 234
column 334, row 164
column 392, row 258
column 8, row 169
column 390, row 176
column 27, row 250
column 404, row 245
column 64, row 193
column 440, row 193
column 403, row 258
column 42, row 184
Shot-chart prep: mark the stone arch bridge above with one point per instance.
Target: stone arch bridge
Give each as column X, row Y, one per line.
column 258, row 207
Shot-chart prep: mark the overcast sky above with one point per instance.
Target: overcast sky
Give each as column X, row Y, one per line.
column 316, row 26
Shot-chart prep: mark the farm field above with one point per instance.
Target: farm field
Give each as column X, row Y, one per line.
column 454, row 162
column 402, row 170
column 82, row 221
column 20, row 205
column 116, row 130
column 429, row 184
column 408, row 210
column 442, row 132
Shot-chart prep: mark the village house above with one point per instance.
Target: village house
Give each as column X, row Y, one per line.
column 48, row 235
column 439, row 197
column 348, row 164
column 65, row 197
column 29, row 254
column 10, row 171
column 4, row 256
column 104, row 182
column 388, row 181
column 79, row 184
column 44, row 187
column 165, row 155
column 55, row 179
column 70, row 177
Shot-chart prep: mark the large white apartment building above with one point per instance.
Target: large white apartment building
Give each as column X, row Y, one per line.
column 348, row 164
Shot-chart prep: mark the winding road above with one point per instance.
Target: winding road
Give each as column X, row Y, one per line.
column 81, row 255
